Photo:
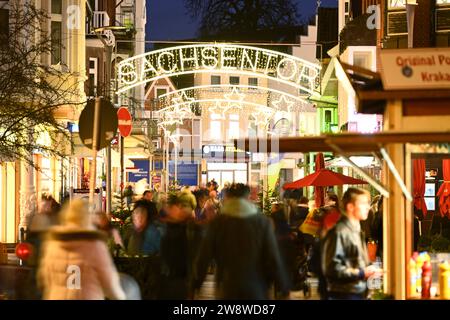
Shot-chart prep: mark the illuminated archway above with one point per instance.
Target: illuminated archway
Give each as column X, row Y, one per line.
column 221, row 58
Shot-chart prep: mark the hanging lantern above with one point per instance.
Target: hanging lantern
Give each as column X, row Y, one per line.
column 24, row 250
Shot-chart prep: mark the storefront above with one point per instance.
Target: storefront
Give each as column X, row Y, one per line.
column 225, row 164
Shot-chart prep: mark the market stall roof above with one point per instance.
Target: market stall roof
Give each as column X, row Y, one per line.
column 344, row 144
column 347, row 143
column 371, row 97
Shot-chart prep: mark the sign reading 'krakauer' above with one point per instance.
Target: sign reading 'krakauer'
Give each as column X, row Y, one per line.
column 416, row 68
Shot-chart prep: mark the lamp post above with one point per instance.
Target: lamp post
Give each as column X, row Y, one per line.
column 108, row 58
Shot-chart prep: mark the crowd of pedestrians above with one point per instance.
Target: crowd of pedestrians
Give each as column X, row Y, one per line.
column 198, row 231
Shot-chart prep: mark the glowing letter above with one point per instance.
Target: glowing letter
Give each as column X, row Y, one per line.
column 127, row 73
column 192, row 59
column 226, row 58
column 246, row 57
column 207, row 58
column 147, row 66
column 285, row 62
column 161, row 64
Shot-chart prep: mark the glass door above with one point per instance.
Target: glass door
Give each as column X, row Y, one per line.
column 227, row 176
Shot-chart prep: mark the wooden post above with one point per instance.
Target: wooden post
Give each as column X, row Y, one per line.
column 394, row 213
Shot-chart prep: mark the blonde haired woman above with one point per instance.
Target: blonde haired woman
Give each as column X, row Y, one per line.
column 76, row 263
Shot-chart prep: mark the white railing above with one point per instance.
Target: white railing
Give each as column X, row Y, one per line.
column 98, row 20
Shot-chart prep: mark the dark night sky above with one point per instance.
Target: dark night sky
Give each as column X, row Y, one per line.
column 168, row 19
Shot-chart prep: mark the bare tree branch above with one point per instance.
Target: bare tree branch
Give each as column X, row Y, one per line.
column 31, row 92
column 234, row 16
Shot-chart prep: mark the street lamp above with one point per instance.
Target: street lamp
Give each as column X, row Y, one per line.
column 108, row 58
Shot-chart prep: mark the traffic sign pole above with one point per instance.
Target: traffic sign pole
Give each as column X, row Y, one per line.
column 94, row 153
column 124, row 121
column 108, row 179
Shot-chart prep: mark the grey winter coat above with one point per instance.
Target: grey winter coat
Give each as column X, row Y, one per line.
column 242, row 242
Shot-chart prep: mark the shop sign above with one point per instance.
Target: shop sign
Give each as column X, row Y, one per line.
column 187, row 173
column 139, row 171
column 208, row 149
column 415, row 68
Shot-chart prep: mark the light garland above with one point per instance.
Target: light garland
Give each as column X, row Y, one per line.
column 232, row 102
column 283, row 101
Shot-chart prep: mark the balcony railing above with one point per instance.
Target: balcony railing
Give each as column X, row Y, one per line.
column 125, row 20
column 98, row 20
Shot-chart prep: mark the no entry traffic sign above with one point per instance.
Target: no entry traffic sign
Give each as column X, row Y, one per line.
column 124, row 118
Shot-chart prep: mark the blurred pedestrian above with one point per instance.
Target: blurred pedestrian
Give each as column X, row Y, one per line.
column 329, row 216
column 201, row 196
column 76, row 264
column 178, row 246
column 243, row 244
column 299, row 213
column 103, row 223
column 143, row 237
column 345, row 262
column 128, row 194
column 148, row 195
column 286, row 242
column 46, row 217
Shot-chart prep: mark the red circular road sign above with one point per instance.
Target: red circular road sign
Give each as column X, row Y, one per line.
column 124, row 118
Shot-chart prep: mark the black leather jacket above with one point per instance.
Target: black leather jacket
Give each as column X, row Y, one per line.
column 344, row 257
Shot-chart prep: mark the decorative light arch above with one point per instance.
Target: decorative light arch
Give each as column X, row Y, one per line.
column 278, row 97
column 176, row 113
column 218, row 58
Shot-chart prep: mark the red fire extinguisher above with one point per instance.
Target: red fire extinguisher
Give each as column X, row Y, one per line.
column 426, row 280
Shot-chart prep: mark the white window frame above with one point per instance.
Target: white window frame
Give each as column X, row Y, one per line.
column 167, row 88
column 94, row 71
column 215, row 134
column 233, row 121
column 58, row 18
column 346, row 13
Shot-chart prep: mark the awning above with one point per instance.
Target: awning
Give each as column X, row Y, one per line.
column 344, row 144
column 348, row 143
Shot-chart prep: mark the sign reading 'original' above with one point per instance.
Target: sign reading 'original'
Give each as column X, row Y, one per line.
column 224, row 58
column 416, row 68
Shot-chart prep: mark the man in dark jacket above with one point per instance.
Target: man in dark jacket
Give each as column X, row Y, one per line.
column 242, row 242
column 344, row 252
